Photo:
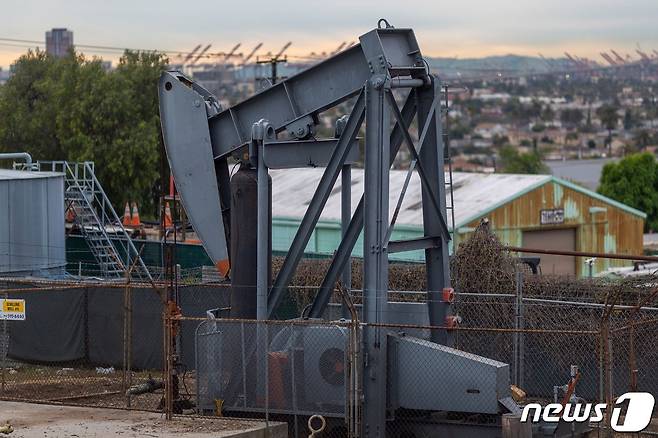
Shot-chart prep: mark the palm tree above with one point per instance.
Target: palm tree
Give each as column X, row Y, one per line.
column 642, row 139
column 609, row 118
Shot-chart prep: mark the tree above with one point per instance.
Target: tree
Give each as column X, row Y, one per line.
column 642, row 139
column 27, row 104
column 629, row 120
column 609, row 118
column 570, row 136
column 588, row 122
column 650, row 107
column 499, row 140
column 534, row 109
column 459, row 130
column 538, row 127
column 634, row 181
column 72, row 109
column 515, row 162
column 516, row 111
column 571, row 117
column 547, row 114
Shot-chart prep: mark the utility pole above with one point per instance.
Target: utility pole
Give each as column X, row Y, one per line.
column 274, row 61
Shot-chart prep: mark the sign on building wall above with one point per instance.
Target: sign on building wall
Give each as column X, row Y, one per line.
column 12, row 309
column 551, row 216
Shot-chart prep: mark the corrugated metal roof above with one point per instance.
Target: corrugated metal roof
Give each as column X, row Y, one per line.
column 8, row 174
column 474, row 193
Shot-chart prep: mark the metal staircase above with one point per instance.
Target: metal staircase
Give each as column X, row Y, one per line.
column 108, row 240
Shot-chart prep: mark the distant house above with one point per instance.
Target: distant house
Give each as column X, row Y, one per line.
column 531, row 211
column 461, row 164
column 488, row 95
column 492, row 111
column 542, row 99
column 585, row 172
column 488, row 130
column 492, row 97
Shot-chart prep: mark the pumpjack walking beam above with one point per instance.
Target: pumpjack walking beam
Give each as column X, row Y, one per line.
column 200, row 136
column 197, row 131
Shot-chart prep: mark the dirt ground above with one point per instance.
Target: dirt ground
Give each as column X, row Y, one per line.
column 43, row 421
column 81, row 386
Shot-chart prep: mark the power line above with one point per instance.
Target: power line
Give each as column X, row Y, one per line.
column 498, row 73
column 94, row 47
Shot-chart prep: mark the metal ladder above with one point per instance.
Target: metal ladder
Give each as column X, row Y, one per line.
column 97, row 220
column 447, row 160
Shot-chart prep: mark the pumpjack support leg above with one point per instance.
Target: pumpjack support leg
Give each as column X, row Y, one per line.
column 436, row 259
column 375, row 269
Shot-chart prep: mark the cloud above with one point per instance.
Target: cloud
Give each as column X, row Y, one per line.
column 467, row 27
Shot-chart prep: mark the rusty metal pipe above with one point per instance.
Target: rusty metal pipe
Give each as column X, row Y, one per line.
column 601, row 255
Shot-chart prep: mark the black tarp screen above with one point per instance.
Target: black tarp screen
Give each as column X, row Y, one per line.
column 86, row 325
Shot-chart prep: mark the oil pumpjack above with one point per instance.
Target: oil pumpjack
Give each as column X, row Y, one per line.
column 411, row 386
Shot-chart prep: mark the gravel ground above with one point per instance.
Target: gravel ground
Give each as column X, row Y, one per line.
column 43, row 421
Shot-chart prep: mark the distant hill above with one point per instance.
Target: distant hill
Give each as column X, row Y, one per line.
column 505, row 64
column 464, row 68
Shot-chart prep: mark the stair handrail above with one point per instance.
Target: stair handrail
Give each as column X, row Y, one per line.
column 131, row 250
column 96, row 188
column 83, row 191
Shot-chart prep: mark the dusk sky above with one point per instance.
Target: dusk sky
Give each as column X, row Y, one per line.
column 465, row 28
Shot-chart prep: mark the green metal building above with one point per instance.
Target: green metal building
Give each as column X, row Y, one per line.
column 532, row 211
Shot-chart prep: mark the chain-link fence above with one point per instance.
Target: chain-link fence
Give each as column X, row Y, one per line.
column 96, row 344
column 508, row 346
column 107, row 345
column 172, row 347
column 277, row 369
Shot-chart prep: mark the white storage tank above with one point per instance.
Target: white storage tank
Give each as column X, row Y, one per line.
column 32, row 234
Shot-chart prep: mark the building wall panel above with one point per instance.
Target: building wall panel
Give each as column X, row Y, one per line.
column 600, row 226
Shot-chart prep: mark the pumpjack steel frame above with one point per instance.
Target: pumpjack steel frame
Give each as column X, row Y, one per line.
column 200, row 137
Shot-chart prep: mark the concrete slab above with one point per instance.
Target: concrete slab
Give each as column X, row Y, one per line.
column 43, row 421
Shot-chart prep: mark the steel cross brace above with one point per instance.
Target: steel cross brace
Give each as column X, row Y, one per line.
column 416, row 162
column 436, row 257
column 351, row 235
column 316, row 205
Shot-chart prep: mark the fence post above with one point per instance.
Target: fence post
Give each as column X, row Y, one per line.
column 515, row 336
column 518, row 356
column 4, row 351
column 605, row 371
column 521, row 333
column 610, row 364
column 127, row 339
column 168, row 365
column 266, row 350
column 601, row 365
